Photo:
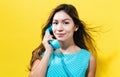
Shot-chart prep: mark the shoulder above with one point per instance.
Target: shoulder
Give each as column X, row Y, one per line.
column 36, row 62
column 86, row 53
column 92, row 59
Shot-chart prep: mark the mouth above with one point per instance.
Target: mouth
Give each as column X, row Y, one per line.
column 60, row 35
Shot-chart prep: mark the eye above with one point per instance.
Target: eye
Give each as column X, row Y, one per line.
column 66, row 22
column 55, row 23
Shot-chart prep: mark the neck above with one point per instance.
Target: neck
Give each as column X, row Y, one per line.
column 68, row 47
column 65, row 45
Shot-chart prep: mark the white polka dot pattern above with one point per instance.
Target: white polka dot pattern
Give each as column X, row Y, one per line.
column 68, row 65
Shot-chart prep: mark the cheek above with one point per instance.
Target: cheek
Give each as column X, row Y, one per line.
column 69, row 30
column 53, row 30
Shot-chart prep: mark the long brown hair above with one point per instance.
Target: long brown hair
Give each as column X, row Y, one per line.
column 82, row 36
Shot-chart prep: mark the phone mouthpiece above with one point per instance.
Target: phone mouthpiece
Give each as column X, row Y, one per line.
column 55, row 44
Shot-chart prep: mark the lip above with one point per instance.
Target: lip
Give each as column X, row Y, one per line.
column 60, row 34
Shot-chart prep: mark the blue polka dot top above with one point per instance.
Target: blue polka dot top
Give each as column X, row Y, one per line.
column 68, row 65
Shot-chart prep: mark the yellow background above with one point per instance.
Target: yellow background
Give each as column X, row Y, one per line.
column 20, row 26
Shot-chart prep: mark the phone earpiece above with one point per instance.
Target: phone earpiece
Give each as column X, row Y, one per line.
column 49, row 29
column 54, row 43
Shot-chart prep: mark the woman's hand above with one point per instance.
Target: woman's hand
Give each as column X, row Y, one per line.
column 39, row 67
column 48, row 47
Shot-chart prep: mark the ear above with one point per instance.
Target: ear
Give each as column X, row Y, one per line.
column 76, row 28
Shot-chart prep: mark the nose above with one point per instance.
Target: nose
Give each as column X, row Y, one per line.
column 59, row 27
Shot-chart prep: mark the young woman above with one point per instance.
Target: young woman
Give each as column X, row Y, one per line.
column 73, row 58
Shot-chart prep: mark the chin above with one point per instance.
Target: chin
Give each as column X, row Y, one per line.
column 61, row 40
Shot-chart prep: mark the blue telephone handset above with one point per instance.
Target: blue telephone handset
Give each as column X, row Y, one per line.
column 54, row 43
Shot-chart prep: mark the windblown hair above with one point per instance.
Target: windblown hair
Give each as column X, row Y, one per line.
column 82, row 37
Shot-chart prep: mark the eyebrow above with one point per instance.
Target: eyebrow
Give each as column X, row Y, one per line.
column 62, row 20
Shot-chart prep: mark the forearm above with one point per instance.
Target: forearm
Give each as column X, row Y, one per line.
column 41, row 68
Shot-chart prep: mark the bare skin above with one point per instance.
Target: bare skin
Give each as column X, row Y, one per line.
column 63, row 30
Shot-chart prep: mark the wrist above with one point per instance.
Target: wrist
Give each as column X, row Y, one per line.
column 48, row 52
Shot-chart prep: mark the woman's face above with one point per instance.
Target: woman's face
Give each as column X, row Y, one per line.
column 63, row 26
